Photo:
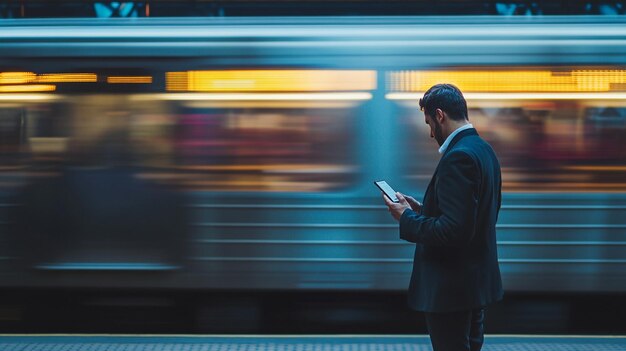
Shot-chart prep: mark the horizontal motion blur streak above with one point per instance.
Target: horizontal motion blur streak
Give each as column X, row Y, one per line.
column 519, row 96
column 255, row 96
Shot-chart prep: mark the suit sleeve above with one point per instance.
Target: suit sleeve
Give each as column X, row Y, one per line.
column 457, row 198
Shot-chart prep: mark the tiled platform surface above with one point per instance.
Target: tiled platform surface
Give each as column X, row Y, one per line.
column 295, row 343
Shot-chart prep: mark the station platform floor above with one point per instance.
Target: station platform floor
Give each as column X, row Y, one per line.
column 39, row 342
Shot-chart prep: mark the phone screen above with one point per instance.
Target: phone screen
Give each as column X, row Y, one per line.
column 387, row 190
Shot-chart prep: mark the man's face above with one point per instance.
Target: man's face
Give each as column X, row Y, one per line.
column 435, row 129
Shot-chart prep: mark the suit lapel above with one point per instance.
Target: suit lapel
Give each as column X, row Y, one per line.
column 431, row 184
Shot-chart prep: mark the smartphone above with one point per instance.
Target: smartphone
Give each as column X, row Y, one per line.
column 387, row 190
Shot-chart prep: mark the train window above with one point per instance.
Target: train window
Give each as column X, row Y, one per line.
column 287, row 130
column 553, row 128
column 263, row 148
column 543, row 145
column 273, row 146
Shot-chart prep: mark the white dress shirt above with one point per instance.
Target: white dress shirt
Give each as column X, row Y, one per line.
column 444, row 147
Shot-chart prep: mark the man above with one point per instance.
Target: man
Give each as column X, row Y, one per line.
column 455, row 269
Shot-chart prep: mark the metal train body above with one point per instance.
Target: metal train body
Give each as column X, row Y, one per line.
column 293, row 206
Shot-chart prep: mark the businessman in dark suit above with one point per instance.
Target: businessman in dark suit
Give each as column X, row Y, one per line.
column 455, row 269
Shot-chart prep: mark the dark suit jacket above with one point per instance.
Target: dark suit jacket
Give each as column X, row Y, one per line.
column 456, row 261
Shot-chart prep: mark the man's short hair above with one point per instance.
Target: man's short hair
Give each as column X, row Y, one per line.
column 446, row 97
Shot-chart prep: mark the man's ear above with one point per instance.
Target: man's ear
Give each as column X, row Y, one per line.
column 440, row 115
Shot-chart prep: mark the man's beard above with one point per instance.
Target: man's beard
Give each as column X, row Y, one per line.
column 438, row 133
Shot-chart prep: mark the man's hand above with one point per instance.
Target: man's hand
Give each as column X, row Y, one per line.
column 415, row 205
column 397, row 208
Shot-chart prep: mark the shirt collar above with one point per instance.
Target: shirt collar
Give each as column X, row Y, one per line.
column 446, row 143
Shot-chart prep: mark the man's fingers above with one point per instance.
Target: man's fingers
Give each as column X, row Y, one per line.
column 414, row 204
column 410, row 198
column 402, row 200
column 387, row 201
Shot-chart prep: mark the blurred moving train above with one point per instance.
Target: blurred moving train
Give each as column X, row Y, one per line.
column 273, row 129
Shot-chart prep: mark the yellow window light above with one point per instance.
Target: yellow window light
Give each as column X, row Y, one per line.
column 518, row 96
column 67, row 78
column 17, row 77
column 27, row 88
column 274, row 104
column 176, row 81
column 513, row 81
column 271, row 80
column 129, row 79
column 30, row 77
column 355, row 96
